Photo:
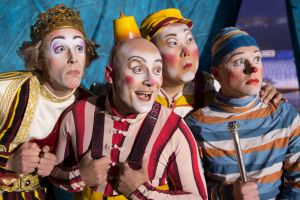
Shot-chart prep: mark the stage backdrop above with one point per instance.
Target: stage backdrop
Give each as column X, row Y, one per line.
column 16, row 17
column 293, row 12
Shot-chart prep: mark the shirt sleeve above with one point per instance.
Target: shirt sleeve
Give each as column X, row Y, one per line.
column 4, row 156
column 3, row 160
column 184, row 169
column 215, row 190
column 291, row 165
column 66, row 174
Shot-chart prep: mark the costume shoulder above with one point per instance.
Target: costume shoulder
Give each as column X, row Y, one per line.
column 286, row 109
column 83, row 93
column 90, row 101
column 10, row 82
column 15, row 75
column 197, row 115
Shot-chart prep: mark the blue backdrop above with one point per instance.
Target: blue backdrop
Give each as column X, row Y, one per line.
column 16, row 17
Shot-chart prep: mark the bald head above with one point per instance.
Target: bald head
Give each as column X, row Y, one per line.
column 135, row 47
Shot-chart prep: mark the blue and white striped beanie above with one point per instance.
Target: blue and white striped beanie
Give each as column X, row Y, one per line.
column 227, row 40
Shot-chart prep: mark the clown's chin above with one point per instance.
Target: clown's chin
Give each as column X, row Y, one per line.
column 143, row 108
column 188, row 77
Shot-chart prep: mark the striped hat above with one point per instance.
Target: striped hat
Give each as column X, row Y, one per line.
column 154, row 22
column 227, row 40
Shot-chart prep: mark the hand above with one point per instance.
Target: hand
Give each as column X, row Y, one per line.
column 269, row 93
column 93, row 172
column 25, row 159
column 245, row 191
column 129, row 180
column 46, row 163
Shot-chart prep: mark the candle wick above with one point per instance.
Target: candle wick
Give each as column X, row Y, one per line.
column 121, row 13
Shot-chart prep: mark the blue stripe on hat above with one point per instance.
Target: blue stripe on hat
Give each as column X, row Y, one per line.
column 231, row 44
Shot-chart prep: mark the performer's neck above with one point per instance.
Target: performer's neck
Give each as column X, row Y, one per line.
column 172, row 90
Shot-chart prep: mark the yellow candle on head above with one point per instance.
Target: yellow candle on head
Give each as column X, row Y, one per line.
column 125, row 28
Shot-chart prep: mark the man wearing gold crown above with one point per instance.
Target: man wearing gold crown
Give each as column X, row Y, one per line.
column 32, row 101
column 172, row 35
column 122, row 144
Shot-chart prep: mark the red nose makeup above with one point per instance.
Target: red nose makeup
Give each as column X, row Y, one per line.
column 150, row 82
column 253, row 69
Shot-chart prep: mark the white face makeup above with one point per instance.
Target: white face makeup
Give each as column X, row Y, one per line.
column 137, row 76
column 240, row 72
column 179, row 52
column 65, row 60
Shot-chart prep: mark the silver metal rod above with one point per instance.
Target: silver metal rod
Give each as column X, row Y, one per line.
column 233, row 128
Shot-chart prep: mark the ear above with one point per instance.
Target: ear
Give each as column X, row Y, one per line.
column 215, row 72
column 108, row 74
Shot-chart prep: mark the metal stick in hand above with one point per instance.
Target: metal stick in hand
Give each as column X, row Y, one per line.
column 233, row 128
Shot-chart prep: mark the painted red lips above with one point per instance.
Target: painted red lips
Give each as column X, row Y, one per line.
column 187, row 65
column 252, row 81
column 73, row 72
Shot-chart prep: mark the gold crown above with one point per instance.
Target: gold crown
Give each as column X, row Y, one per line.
column 55, row 18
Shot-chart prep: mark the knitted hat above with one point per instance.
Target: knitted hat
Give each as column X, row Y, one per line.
column 227, row 40
column 154, row 22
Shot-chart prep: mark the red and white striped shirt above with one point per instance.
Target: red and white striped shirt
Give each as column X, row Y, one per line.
column 173, row 152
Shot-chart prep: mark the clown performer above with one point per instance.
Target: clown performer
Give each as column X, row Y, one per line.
column 269, row 134
column 32, row 101
column 124, row 145
column 172, row 35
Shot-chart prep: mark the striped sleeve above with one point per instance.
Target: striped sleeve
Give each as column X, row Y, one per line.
column 184, row 169
column 291, row 188
column 67, row 179
column 3, row 160
column 215, row 190
column 66, row 174
column 4, row 156
column 14, row 112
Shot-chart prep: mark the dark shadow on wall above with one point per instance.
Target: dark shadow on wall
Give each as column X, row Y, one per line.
column 293, row 13
column 226, row 15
